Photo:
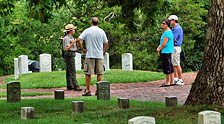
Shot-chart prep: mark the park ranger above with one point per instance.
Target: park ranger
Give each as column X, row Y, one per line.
column 70, row 48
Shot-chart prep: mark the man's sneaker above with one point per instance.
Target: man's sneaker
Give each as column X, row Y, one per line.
column 180, row 82
column 176, row 80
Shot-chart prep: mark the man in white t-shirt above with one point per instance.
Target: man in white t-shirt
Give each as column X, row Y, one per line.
column 96, row 46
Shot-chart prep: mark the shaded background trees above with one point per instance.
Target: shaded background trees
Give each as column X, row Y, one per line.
column 34, row 27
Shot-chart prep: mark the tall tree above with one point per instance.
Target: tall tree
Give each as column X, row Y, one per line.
column 208, row 87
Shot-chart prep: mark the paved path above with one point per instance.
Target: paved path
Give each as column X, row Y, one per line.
column 148, row 91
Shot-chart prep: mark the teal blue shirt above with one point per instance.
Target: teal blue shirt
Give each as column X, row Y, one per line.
column 169, row 48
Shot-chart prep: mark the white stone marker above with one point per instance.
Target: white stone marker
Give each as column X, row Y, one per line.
column 78, row 63
column 16, row 68
column 209, row 117
column 27, row 113
column 77, row 107
column 23, row 64
column 106, row 61
column 45, row 62
column 142, row 120
column 127, row 62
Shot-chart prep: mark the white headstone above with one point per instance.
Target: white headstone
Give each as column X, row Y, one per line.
column 106, row 62
column 127, row 62
column 78, row 63
column 23, row 64
column 16, row 68
column 142, row 120
column 209, row 117
column 45, row 62
column 27, row 113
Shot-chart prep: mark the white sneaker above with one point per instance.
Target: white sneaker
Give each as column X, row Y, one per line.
column 175, row 80
column 180, row 82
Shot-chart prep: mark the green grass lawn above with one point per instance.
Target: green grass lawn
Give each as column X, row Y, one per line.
column 57, row 79
column 4, row 94
column 50, row 111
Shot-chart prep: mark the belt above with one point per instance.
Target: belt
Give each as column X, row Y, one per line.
column 176, row 45
column 72, row 51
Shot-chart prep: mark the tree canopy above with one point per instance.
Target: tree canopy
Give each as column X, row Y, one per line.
column 33, row 27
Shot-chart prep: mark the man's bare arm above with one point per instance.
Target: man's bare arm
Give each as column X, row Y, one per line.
column 79, row 41
column 106, row 46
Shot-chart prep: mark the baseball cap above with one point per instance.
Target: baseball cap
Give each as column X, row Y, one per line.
column 174, row 17
column 69, row 27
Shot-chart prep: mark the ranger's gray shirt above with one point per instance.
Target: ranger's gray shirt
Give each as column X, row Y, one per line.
column 67, row 41
column 95, row 38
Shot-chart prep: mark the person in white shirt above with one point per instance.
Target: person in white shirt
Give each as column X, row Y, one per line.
column 96, row 46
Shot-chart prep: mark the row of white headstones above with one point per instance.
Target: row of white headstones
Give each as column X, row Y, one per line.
column 204, row 117
column 21, row 63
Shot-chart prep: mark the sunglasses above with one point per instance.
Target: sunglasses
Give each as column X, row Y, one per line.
column 164, row 23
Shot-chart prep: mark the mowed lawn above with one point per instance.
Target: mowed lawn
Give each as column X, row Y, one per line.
column 50, row 111
column 57, row 79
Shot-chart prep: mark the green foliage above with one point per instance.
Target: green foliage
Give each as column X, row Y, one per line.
column 41, row 32
column 150, row 8
column 58, row 78
column 192, row 17
column 6, row 7
column 42, row 9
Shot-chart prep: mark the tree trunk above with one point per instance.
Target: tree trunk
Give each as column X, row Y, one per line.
column 208, row 87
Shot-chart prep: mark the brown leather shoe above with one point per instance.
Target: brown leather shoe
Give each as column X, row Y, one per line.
column 77, row 89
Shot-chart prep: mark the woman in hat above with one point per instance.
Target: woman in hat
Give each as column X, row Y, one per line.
column 70, row 48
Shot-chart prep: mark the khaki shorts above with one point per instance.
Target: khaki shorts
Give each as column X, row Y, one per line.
column 94, row 66
column 176, row 56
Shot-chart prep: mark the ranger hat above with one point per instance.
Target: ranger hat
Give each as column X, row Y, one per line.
column 69, row 27
column 174, row 17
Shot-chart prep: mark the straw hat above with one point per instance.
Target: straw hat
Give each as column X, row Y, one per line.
column 69, row 27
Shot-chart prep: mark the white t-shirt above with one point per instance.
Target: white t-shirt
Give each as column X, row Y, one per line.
column 95, row 38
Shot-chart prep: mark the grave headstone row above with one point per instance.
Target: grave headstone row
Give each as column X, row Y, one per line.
column 21, row 63
column 103, row 88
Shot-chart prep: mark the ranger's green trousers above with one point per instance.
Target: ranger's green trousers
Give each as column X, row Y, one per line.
column 70, row 71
